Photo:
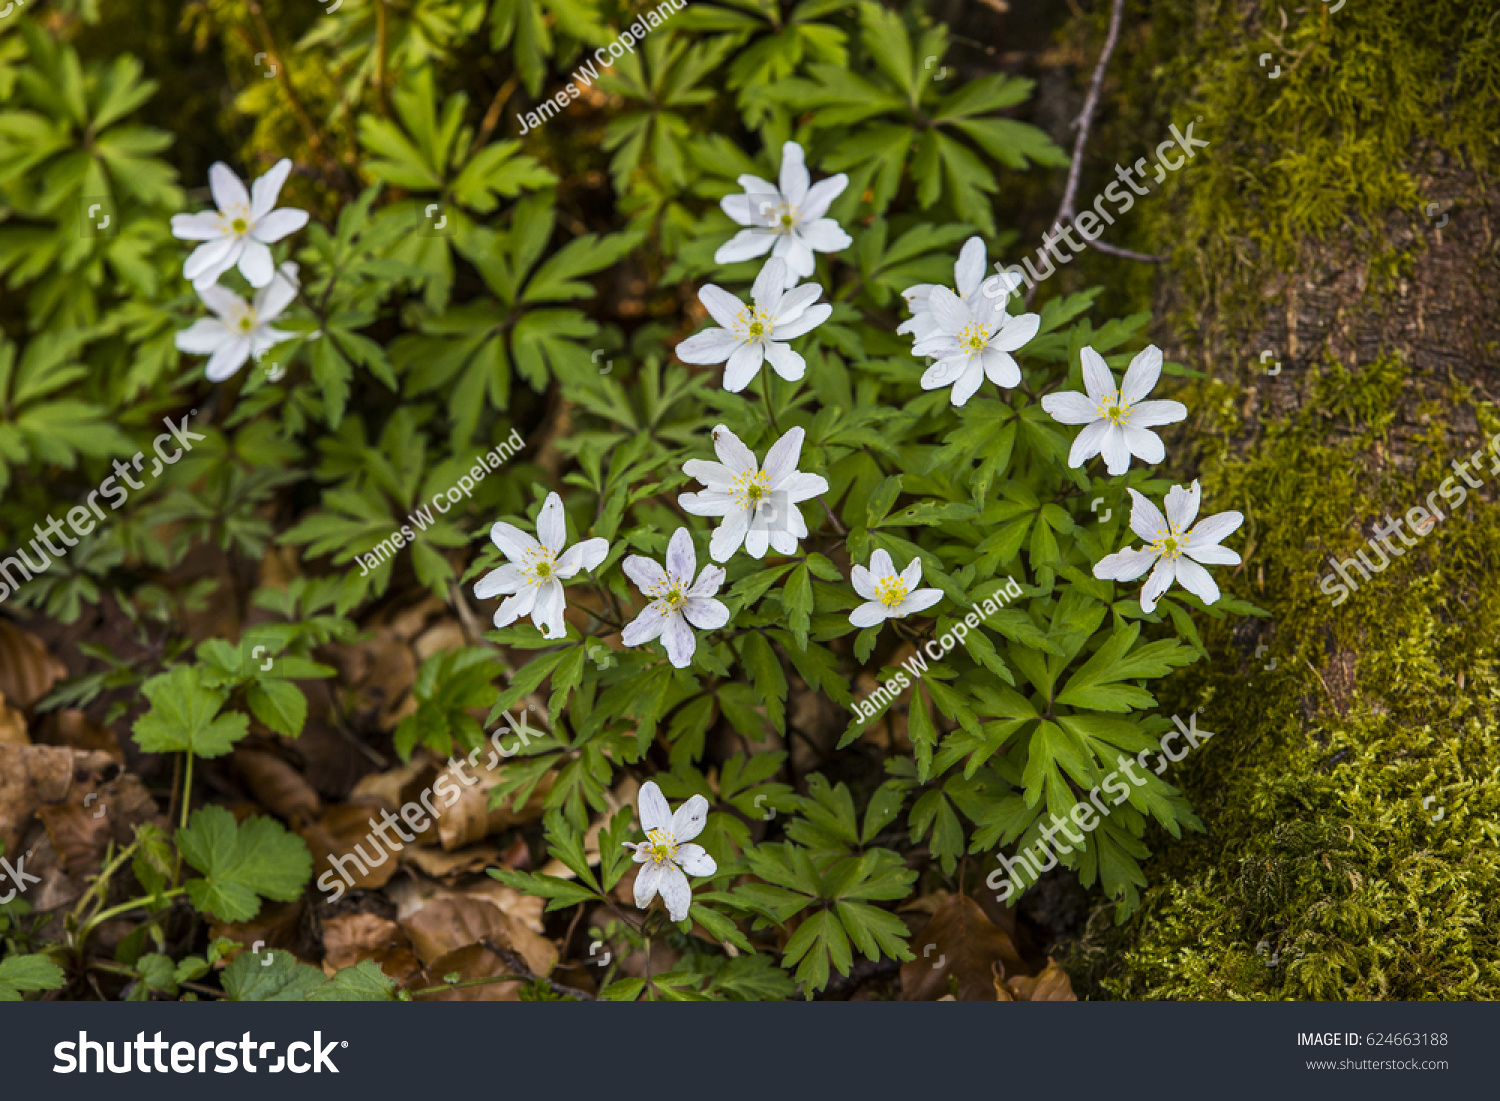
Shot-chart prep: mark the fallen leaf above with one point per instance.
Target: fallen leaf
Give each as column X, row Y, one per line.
column 278, row 925
column 412, row 892
column 102, row 804
column 277, row 785
column 350, row 938
column 468, row 964
column 959, row 941
column 72, row 728
column 446, row 924
column 445, row 865
column 12, row 725
column 342, row 838
column 27, row 670
column 470, row 819
column 31, row 777
column 1051, row 984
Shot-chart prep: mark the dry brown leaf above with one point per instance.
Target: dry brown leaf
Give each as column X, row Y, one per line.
column 959, row 941
column 12, row 725
column 344, row 833
column 351, row 938
column 97, row 811
column 72, row 728
column 470, row 818
column 1051, row 984
column 446, row 924
column 468, row 964
column 394, row 786
column 446, row 865
column 277, row 785
column 1002, row 992
column 444, row 635
column 27, row 670
column 31, row 777
column 277, row 925
column 411, row 892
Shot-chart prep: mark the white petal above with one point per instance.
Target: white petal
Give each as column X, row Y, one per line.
column 1151, row 414
column 732, row 453
column 675, row 892
column 743, row 366
column 1182, row 505
column 787, row 363
column 969, row 271
column 1196, row 580
column 694, row 860
column 278, row 224
column 1144, row 444
column 272, row 300
column 680, row 641
column 757, row 538
column 652, row 809
column 1098, row 380
column 1159, row 582
column 794, row 178
column 690, row 818
column 881, row 566
column 228, row 191
column 708, row 584
column 1089, row 442
column 513, row 608
column 1141, row 375
column 229, row 358
column 709, row 346
column 790, row 305
column 503, row 581
column 919, row 601
column 1070, row 407
column 868, row 615
column 949, row 311
column 552, row 524
column 197, row 227
column 1016, row 333
column 747, row 244
column 708, row 503
column 212, row 259
column 265, row 191
column 203, row 337
column 1125, row 565
column 681, row 559
column 797, row 255
column 968, row 383
column 512, row 541
column 945, row 372
column 256, row 263
column 769, row 283
column 1215, row 528
column 224, row 302
column 647, row 881
column 647, row 626
column 1000, row 368
column 729, row 536
column 713, row 475
column 722, row 306
column 1212, row 554
column 1145, row 519
column 547, row 614
column 801, row 487
column 741, row 210
column 705, row 613
column 781, row 460
column 582, row 556
column 820, row 195
column 863, row 581
column 911, row 577
column 808, row 320
column 824, row 235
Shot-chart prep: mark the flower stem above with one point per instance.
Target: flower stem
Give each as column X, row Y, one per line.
column 765, row 389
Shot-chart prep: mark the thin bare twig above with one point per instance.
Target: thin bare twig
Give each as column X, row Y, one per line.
column 1085, row 120
column 1128, row 254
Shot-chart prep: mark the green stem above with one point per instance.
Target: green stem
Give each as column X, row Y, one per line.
column 124, row 908
column 187, row 789
column 765, row 389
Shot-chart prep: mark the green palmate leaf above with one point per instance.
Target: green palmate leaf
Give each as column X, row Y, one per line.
column 184, row 717
column 257, row 857
column 28, row 974
column 251, row 978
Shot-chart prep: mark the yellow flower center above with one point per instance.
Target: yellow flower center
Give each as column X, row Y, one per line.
column 784, row 219
column 754, row 324
column 240, row 226
column 1114, row 408
column 1170, row 545
column 750, row 489
column 540, row 566
column 246, row 323
column 891, row 591
column 663, row 845
column 972, row 338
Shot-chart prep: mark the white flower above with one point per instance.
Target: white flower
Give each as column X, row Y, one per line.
column 786, row 221
column 243, row 228
column 971, row 342
column 536, row 570
column 890, row 595
column 1170, row 540
column 665, row 854
column 968, row 277
column 752, row 334
column 676, row 602
column 1116, row 421
column 241, row 329
column 759, row 506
